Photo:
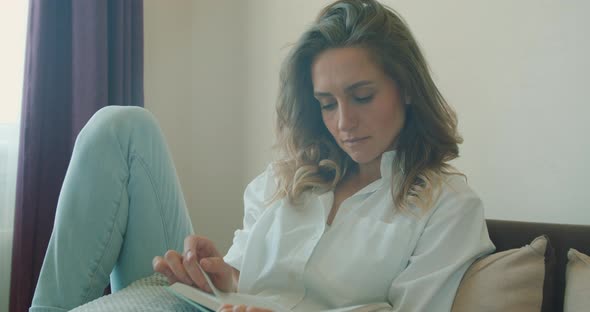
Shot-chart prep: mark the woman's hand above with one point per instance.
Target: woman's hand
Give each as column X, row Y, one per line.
column 240, row 308
column 183, row 268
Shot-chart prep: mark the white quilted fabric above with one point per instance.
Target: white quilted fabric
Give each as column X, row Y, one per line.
column 147, row 294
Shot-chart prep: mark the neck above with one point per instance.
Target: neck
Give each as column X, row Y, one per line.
column 364, row 174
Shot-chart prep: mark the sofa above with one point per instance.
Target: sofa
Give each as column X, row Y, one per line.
column 486, row 292
column 508, row 235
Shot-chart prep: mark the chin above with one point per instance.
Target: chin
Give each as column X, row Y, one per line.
column 362, row 158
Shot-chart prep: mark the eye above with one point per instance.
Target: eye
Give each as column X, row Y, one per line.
column 328, row 107
column 327, row 103
column 363, row 99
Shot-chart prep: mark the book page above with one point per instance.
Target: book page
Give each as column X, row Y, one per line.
column 218, row 298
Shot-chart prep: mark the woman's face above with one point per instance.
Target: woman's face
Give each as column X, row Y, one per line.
column 361, row 106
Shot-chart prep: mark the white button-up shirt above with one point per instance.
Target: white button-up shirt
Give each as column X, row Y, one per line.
column 369, row 254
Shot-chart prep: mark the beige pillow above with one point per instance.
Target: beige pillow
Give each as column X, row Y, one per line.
column 577, row 282
column 510, row 280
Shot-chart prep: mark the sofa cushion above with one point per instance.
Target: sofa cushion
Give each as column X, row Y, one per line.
column 510, row 280
column 515, row 234
column 577, row 282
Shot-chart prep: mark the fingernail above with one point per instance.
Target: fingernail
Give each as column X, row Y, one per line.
column 189, row 255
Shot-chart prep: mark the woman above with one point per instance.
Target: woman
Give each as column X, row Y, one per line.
column 365, row 208
column 362, row 207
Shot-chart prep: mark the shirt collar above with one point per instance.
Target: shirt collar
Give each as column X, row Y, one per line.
column 386, row 168
column 387, row 164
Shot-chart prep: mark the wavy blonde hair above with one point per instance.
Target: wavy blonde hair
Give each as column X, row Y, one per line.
column 311, row 158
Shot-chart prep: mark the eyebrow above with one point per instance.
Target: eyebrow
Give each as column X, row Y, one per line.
column 347, row 89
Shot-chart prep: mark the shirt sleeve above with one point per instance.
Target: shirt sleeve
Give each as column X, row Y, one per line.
column 454, row 235
column 256, row 195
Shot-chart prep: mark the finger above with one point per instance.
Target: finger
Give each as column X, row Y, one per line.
column 221, row 273
column 158, row 264
column 255, row 309
column 215, row 265
column 195, row 274
column 225, row 308
column 161, row 266
column 201, row 246
column 239, row 308
column 174, row 261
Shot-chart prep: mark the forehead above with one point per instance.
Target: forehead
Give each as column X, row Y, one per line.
column 340, row 67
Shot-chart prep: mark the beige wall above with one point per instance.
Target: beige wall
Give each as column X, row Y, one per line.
column 194, row 86
column 272, row 28
column 514, row 71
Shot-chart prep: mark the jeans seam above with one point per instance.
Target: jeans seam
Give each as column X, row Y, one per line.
column 156, row 194
column 103, row 246
column 112, row 221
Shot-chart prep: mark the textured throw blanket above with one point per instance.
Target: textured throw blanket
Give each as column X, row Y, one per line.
column 147, row 294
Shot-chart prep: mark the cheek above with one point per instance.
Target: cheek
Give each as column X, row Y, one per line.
column 330, row 122
column 390, row 118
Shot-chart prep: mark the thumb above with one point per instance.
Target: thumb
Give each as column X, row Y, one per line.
column 214, row 265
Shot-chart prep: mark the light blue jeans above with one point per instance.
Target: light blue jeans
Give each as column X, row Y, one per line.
column 120, row 205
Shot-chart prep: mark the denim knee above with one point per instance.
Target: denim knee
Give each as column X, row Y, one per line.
column 112, row 121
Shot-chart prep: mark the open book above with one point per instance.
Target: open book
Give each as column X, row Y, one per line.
column 206, row 302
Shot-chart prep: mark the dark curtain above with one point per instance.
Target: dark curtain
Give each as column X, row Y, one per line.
column 81, row 55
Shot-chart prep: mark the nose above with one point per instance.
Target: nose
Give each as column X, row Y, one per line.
column 347, row 117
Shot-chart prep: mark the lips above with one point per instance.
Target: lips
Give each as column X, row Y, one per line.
column 353, row 141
